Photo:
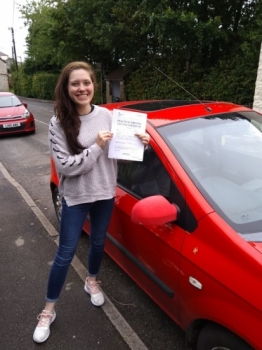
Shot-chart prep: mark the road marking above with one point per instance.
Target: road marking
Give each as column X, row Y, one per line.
column 39, row 121
column 128, row 334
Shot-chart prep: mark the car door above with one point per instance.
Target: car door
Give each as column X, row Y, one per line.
column 150, row 255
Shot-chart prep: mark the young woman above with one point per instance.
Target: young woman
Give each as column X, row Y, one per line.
column 79, row 134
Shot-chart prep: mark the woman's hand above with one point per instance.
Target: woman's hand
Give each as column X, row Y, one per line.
column 102, row 137
column 144, row 138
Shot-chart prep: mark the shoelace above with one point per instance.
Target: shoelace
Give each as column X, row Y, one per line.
column 93, row 287
column 44, row 319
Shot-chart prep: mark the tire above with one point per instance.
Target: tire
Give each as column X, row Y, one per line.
column 214, row 337
column 57, row 200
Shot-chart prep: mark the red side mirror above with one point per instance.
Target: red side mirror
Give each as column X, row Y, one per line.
column 154, row 210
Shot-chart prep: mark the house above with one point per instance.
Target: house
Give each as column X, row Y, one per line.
column 4, row 86
column 3, row 56
column 115, row 85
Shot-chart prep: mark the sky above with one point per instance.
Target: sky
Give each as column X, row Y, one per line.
column 10, row 16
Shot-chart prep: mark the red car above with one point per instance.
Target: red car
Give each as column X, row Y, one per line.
column 187, row 222
column 14, row 116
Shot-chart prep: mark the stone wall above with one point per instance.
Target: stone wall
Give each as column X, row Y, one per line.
column 257, row 104
column 3, row 76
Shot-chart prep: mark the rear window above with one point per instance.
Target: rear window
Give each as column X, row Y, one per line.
column 158, row 105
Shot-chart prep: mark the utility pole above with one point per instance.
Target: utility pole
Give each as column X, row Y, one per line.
column 101, row 81
column 14, row 50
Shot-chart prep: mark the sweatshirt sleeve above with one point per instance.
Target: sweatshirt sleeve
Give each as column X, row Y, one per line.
column 66, row 163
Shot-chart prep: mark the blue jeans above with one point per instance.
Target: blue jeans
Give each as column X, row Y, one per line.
column 72, row 222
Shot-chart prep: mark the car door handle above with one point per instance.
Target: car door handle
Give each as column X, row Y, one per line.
column 195, row 282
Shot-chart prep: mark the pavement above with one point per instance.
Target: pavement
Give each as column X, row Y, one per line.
column 26, row 254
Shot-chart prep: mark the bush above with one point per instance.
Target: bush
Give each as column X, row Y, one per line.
column 40, row 85
column 43, row 85
column 230, row 80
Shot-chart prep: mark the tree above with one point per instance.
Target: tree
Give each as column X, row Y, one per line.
column 192, row 39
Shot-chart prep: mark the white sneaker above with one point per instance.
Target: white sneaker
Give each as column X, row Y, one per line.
column 92, row 288
column 42, row 330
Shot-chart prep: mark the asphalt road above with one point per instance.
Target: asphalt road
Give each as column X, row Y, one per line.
column 28, row 233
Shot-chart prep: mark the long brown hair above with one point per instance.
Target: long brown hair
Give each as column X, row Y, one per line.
column 65, row 109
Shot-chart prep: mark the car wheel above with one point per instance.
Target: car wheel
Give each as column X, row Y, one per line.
column 57, row 200
column 214, row 337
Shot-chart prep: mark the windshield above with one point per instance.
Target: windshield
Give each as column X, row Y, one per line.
column 9, row 101
column 223, row 156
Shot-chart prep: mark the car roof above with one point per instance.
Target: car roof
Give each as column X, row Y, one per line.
column 161, row 112
column 6, row 93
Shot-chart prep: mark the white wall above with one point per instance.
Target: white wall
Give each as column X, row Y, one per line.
column 257, row 104
column 3, row 77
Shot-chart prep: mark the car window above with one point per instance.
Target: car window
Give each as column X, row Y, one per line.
column 9, row 101
column 146, row 178
column 149, row 178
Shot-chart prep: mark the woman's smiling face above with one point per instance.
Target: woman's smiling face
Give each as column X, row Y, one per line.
column 81, row 90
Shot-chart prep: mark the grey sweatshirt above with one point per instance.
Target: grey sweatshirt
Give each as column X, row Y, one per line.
column 89, row 176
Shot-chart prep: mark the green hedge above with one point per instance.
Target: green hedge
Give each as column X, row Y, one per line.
column 40, row 85
column 43, row 85
column 230, row 80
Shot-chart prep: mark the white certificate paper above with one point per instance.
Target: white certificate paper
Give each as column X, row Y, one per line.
column 124, row 144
